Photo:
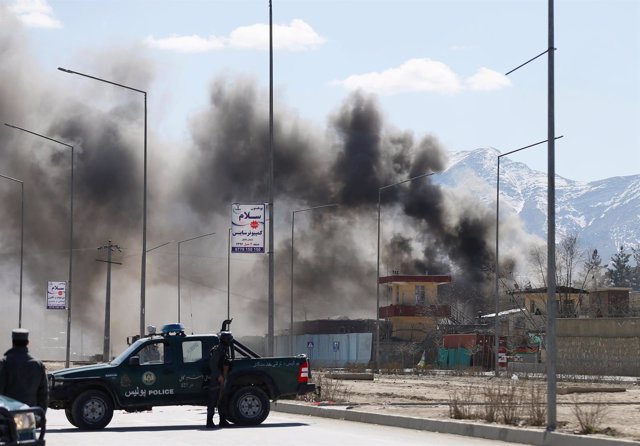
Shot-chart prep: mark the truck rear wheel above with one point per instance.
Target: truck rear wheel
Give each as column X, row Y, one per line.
column 249, row 406
column 92, row 410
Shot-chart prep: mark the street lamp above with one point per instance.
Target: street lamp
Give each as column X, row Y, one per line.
column 293, row 223
column 271, row 298
column 143, row 273
column 21, row 243
column 229, row 274
column 497, row 266
column 180, row 243
column 378, row 264
column 70, row 237
column 551, row 219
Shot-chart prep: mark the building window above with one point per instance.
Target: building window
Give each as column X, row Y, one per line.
column 420, row 295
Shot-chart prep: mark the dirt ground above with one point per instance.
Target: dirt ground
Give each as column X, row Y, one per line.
column 614, row 406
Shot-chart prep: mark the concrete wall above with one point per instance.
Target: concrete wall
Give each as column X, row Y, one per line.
column 602, row 346
column 329, row 350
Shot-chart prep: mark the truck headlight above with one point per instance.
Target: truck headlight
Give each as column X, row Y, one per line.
column 24, row 421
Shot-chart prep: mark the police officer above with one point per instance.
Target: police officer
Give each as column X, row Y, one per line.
column 22, row 377
column 219, row 363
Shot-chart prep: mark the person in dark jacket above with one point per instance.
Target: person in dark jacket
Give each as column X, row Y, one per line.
column 219, row 363
column 22, row 377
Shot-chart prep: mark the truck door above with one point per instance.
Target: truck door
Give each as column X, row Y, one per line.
column 192, row 372
column 151, row 380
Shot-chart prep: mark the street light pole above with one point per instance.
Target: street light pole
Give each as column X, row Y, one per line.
column 229, row 275
column 551, row 223
column 21, row 243
column 68, row 347
column 143, row 273
column 497, row 265
column 270, row 303
column 293, row 223
column 380, row 189
column 180, row 243
column 551, row 233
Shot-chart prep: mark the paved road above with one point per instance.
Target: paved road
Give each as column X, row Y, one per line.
column 178, row 425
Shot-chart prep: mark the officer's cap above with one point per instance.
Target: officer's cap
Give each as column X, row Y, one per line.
column 20, row 334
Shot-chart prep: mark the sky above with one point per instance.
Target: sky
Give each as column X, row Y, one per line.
column 436, row 67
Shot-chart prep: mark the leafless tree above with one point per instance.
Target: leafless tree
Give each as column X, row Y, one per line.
column 569, row 255
column 538, row 258
column 592, row 271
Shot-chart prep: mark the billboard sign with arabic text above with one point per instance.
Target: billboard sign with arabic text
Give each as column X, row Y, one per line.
column 247, row 228
column 56, row 295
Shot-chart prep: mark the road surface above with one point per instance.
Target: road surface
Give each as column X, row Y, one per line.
column 184, row 425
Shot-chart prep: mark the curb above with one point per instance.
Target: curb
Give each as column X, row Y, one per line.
column 489, row 432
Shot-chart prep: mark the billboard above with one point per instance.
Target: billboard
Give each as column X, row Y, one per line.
column 56, row 295
column 247, row 228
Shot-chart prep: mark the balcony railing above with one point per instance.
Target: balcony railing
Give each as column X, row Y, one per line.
column 415, row 310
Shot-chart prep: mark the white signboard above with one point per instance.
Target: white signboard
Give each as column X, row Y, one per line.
column 56, row 295
column 247, row 228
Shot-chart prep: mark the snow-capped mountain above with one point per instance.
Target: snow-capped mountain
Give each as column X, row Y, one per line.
column 604, row 214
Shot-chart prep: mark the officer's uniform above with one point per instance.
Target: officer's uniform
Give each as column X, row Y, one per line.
column 22, row 377
column 219, row 363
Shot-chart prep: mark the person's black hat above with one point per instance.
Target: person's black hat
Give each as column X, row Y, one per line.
column 20, row 334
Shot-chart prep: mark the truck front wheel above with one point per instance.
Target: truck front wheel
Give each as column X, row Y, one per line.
column 249, row 406
column 92, row 410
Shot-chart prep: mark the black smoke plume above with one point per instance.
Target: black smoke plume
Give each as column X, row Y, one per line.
column 425, row 228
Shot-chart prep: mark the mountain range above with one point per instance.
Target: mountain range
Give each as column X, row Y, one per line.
column 604, row 214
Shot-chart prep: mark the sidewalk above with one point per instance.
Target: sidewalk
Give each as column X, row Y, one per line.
column 369, row 414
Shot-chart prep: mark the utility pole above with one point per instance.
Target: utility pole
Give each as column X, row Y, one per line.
column 107, row 310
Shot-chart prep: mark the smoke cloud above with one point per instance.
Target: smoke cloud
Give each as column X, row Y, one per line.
column 425, row 228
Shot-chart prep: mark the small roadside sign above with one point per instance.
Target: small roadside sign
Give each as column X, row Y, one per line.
column 309, row 344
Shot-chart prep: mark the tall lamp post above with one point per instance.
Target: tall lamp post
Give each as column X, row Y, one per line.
column 271, row 299
column 378, row 263
column 21, row 243
column 551, row 220
column 143, row 273
column 180, row 243
column 293, row 224
column 68, row 348
column 229, row 274
column 497, row 265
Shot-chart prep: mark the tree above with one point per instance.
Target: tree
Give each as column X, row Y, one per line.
column 619, row 270
column 538, row 258
column 635, row 280
column 568, row 256
column 592, row 271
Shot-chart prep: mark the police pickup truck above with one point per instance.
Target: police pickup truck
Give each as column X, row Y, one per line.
column 172, row 368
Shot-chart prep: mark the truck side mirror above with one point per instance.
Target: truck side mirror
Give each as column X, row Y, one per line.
column 134, row 360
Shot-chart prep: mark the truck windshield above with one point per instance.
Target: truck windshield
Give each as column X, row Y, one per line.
column 125, row 354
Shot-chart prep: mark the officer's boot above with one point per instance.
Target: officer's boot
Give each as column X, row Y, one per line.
column 223, row 418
